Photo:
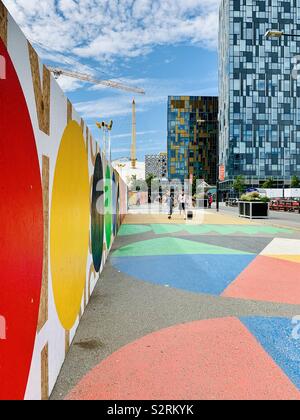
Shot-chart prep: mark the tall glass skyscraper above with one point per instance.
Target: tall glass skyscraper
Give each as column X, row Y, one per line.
column 259, row 99
column 192, row 137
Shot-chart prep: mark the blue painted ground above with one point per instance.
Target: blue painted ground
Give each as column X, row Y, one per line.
column 208, row 274
column 276, row 337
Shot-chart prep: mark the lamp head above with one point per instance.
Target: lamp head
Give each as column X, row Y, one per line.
column 274, row 34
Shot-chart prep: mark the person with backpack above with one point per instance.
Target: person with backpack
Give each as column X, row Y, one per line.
column 170, row 204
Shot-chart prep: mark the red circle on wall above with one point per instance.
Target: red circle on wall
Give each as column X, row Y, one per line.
column 21, row 235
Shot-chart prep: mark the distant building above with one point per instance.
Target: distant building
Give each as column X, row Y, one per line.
column 259, row 99
column 156, row 165
column 192, row 137
column 127, row 173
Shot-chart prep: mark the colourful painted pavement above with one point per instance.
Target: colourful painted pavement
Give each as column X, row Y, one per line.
column 193, row 312
column 213, row 359
column 162, row 229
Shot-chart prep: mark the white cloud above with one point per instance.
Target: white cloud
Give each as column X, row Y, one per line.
column 157, row 91
column 106, row 107
column 69, row 33
column 68, row 84
column 139, row 133
column 143, row 146
column 107, row 29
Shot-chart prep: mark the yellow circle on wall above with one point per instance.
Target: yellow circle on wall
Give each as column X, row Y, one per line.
column 70, row 222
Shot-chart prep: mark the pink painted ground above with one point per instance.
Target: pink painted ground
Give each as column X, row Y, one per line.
column 214, row 359
column 268, row 279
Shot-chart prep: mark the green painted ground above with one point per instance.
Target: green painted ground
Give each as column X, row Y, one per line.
column 172, row 246
column 163, row 229
column 128, row 230
column 167, row 229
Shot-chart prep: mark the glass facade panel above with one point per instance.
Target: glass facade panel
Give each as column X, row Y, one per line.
column 192, row 137
column 259, row 98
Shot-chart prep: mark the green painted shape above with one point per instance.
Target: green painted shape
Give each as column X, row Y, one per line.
column 248, row 230
column 173, row 246
column 128, row 230
column 274, row 230
column 202, row 229
column 254, row 230
column 108, row 207
column 223, row 229
column 162, row 229
column 165, row 229
column 233, row 229
column 197, row 229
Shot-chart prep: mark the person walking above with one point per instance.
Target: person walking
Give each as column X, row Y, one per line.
column 138, row 198
column 182, row 204
column 170, row 203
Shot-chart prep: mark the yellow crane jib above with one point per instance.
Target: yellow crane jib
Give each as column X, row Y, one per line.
column 88, row 78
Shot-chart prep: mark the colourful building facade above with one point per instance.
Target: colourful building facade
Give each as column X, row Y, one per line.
column 193, row 137
column 156, row 165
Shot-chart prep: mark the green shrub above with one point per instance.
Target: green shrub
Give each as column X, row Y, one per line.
column 254, row 196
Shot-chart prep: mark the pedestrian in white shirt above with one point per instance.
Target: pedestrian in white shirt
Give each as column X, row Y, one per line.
column 182, row 204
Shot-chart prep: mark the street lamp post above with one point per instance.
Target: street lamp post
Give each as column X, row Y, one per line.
column 106, row 134
column 276, row 34
column 218, row 178
column 283, row 190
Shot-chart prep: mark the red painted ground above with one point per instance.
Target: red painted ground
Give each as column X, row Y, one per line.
column 21, row 235
column 214, row 359
column 268, row 279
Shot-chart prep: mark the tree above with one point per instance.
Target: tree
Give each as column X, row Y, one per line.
column 194, row 187
column 153, row 185
column 239, row 184
column 295, row 181
column 149, row 180
column 269, row 183
column 132, row 184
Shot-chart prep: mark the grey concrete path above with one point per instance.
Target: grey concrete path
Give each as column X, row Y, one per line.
column 124, row 308
column 291, row 220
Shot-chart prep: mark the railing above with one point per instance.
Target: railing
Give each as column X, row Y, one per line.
column 285, row 205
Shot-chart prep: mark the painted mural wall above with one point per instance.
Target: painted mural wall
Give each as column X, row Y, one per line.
column 61, row 205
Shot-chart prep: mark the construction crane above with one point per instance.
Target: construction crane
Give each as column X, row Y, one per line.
column 104, row 126
column 87, row 78
column 133, row 144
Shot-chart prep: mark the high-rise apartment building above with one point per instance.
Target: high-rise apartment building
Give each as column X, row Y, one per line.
column 192, row 137
column 259, row 98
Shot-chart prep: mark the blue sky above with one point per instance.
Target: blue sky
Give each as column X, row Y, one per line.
column 167, row 47
column 180, row 70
